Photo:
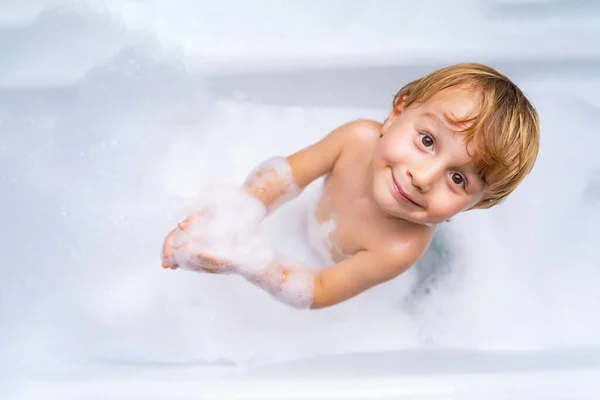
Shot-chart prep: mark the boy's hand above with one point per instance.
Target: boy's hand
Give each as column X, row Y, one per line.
column 222, row 235
column 167, row 256
column 200, row 261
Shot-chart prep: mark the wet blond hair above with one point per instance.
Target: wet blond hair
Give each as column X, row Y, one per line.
column 504, row 131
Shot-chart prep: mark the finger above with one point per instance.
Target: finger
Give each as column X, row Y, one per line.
column 167, row 252
column 210, row 262
column 174, row 266
column 186, row 223
column 183, row 225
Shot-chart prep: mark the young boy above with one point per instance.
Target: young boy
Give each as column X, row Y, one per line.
column 460, row 138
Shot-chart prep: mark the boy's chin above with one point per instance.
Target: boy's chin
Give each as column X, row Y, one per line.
column 421, row 219
column 391, row 209
column 386, row 203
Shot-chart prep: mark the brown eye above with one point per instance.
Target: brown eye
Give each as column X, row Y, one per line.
column 426, row 140
column 457, row 178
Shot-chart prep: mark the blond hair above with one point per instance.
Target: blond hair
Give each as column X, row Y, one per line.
column 505, row 131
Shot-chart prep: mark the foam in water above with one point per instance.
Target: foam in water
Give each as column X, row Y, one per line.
column 97, row 168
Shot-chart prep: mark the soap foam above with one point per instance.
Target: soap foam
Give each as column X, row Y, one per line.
column 272, row 182
column 288, row 281
column 225, row 226
column 319, row 235
column 225, row 229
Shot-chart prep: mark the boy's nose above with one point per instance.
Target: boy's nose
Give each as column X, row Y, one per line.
column 421, row 178
column 419, row 184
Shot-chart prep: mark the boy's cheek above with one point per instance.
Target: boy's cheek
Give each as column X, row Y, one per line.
column 444, row 209
column 396, row 150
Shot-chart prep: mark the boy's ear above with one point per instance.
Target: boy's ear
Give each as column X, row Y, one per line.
column 398, row 108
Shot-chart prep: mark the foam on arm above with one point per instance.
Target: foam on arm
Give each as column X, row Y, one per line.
column 272, row 183
column 278, row 180
column 289, row 282
column 303, row 286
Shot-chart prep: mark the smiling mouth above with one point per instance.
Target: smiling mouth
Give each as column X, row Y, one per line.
column 401, row 195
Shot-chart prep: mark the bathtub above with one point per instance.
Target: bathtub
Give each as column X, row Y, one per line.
column 434, row 374
column 557, row 371
column 429, row 373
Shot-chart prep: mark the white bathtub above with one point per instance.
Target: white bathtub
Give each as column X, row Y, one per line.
column 413, row 374
column 554, row 372
column 436, row 374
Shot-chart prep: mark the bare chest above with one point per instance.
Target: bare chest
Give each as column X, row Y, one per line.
column 344, row 220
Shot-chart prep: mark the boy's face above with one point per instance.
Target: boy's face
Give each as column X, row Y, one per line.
column 422, row 170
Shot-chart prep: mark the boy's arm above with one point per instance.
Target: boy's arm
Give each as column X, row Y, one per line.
column 279, row 180
column 302, row 287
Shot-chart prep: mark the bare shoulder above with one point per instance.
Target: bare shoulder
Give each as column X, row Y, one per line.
column 359, row 136
column 362, row 130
